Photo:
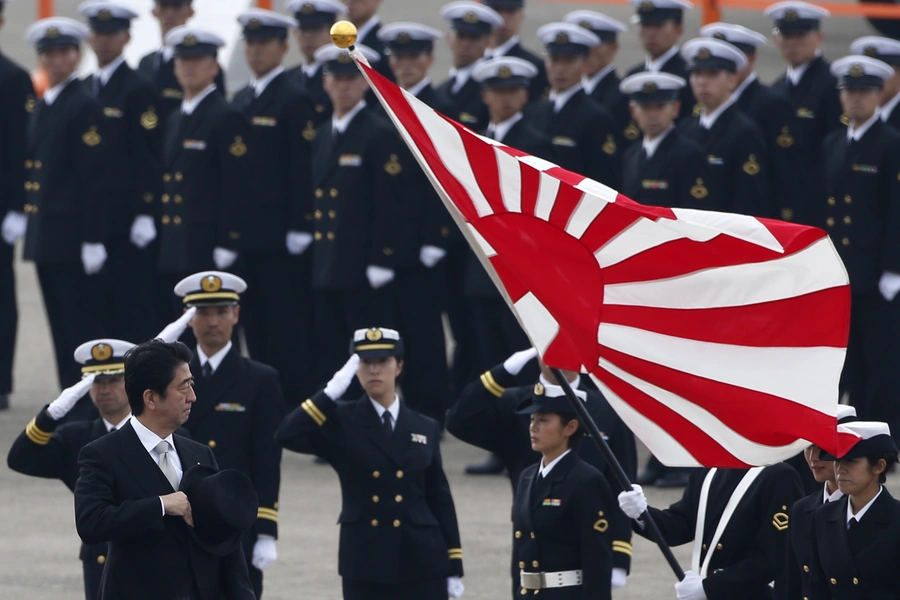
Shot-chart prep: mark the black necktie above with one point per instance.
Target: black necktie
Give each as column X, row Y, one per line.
column 852, row 524
column 98, row 85
column 207, row 370
column 111, row 430
column 386, row 423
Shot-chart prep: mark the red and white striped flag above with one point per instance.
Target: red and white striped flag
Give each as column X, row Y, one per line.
column 718, row 338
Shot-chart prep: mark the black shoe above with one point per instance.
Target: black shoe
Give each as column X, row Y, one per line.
column 4, row 401
column 673, row 479
column 492, row 466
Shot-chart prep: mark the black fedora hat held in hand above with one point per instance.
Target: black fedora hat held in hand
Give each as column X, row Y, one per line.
column 223, row 504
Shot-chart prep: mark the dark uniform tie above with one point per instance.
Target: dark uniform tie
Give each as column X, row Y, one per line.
column 386, row 423
column 207, row 370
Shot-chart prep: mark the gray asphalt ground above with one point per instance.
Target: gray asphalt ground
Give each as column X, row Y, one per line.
column 38, row 543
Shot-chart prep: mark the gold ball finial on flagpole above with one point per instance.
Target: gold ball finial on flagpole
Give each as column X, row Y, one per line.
column 343, row 34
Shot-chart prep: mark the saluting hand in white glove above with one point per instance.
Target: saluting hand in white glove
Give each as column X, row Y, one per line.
column 69, row 396
column 338, row 385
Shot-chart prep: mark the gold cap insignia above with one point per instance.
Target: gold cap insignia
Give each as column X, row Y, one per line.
column 374, row 334
column 790, row 15
column 211, row 283
column 538, row 389
column 562, row 38
column 719, row 35
column 238, row 148
column 344, row 58
column 403, row 38
column 504, row 72
column 650, row 88
column 101, row 352
column 104, row 15
column 646, row 6
column 470, row 17
column 704, row 53
column 189, row 40
column 856, row 70
column 254, row 24
column 585, row 25
column 52, row 33
column 308, row 9
column 870, row 51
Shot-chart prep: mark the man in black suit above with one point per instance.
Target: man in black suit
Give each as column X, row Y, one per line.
column 666, row 168
column 600, row 80
column 862, row 217
column 16, row 102
column 810, row 88
column 66, row 194
column 127, row 491
column 581, row 131
column 133, row 139
column 736, row 152
column 239, row 405
column 207, row 173
column 660, row 26
column 887, row 50
column 505, row 42
column 314, row 18
column 277, row 234
column 359, row 175
column 159, row 66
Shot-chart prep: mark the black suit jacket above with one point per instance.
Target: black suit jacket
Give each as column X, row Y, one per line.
column 737, row 161
column 398, row 522
column 134, row 146
column 162, row 74
column 676, row 66
column 561, row 523
column 150, row 555
column 466, row 105
column 236, row 414
column 752, row 550
column 799, row 549
column 66, row 186
column 207, row 185
column 16, row 102
column 583, row 137
column 483, row 419
column 282, row 130
column 675, row 176
column 862, row 205
column 315, row 91
column 861, row 565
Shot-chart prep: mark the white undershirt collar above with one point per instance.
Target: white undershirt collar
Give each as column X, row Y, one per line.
column 216, row 359
column 855, row 133
column 341, row 124
column 650, row 146
column 503, row 49
column 106, row 73
column 708, row 120
column 590, row 83
column 655, row 65
column 261, row 84
column 53, row 93
column 736, row 94
column 498, row 131
column 858, row 516
column 393, row 409
column 189, row 106
column 546, row 470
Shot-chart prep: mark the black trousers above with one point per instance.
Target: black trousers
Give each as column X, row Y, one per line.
column 435, row 589
column 872, row 368
column 93, row 573
column 129, row 281
column 276, row 311
column 74, row 310
column 9, row 317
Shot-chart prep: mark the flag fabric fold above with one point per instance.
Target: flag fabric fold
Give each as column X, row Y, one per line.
column 718, row 338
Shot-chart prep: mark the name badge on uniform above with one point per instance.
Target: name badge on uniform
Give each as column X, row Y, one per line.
column 264, row 121
column 112, row 112
column 715, row 160
column 467, row 118
column 194, row 145
column 654, row 184
column 551, row 502
column 419, row 438
column 172, row 93
column 564, row 141
column 869, row 169
column 230, row 407
column 350, row 160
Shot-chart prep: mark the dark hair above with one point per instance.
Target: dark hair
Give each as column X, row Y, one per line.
column 151, row 366
column 890, row 459
column 575, row 438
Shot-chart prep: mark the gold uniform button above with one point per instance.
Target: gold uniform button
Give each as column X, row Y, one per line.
column 178, row 199
column 847, row 220
column 330, row 235
column 177, row 220
column 211, row 443
column 376, row 474
column 317, row 236
column 718, row 546
column 27, row 186
column 845, row 241
column 518, row 534
column 521, row 564
column 318, row 214
column 536, row 592
column 703, row 547
column 831, row 201
column 36, row 186
column 376, row 499
column 374, row 522
column 166, row 198
column 855, row 581
column 806, row 568
column 532, row 535
column 333, row 193
column 833, row 581
column 396, row 522
column 178, row 176
column 319, row 193
column 165, row 219
column 848, row 200
column 101, row 560
column 332, row 214
column 399, row 474
column 167, row 178
column 524, row 591
column 534, row 564
column 38, row 164
column 829, row 221
column 28, row 164
column 398, row 498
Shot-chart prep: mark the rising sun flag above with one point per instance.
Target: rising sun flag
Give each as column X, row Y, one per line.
column 718, row 338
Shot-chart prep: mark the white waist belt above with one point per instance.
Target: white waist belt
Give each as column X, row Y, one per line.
column 540, row 581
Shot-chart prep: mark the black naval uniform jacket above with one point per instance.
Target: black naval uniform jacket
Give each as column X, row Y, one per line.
column 737, row 161
column 860, row 564
column 17, row 101
column 315, row 91
column 162, row 74
column 281, row 134
column 583, row 137
column 675, row 176
column 485, row 416
column 398, row 522
column 132, row 132
column 237, row 411
column 66, row 185
column 466, row 105
column 560, row 523
column 799, row 549
column 150, row 555
column 607, row 94
column 359, row 182
column 206, row 181
column 752, row 550
column 772, row 113
column 676, row 65
column 817, row 111
column 862, row 206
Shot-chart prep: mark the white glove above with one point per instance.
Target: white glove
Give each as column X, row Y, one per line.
column 455, row 587
column 889, row 285
column 14, row 225
column 690, row 588
column 93, row 257
column 515, row 363
column 264, row 552
column 619, row 578
column 69, row 396
column 431, row 255
column 224, row 258
column 174, row 329
column 143, row 231
column 341, row 380
column 633, row 503
column 379, row 276
column 297, row 242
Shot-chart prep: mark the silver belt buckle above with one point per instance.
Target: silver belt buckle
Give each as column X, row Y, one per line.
column 532, row 581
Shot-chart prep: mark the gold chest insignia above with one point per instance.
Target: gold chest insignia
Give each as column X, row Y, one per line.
column 785, row 140
column 238, row 148
column 30, row 103
column 610, row 145
column 751, row 167
column 393, row 167
column 149, row 120
column 91, row 138
column 632, row 132
column 699, row 190
column 309, row 132
column 698, row 110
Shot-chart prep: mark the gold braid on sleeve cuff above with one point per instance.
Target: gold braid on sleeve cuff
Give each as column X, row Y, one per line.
column 39, row 437
column 313, row 411
column 455, row 553
column 620, row 546
column 491, row 385
column 269, row 514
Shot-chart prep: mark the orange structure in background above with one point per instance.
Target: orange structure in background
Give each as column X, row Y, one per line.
column 267, row 4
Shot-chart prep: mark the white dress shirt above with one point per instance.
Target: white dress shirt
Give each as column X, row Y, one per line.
column 708, row 120
column 216, row 359
column 650, row 146
column 260, row 85
column 498, row 131
column 858, row 516
column 393, row 410
column 340, row 124
column 166, row 54
column 795, row 74
column 109, row 426
column 461, row 76
column 545, row 470
column 311, row 68
column 590, row 83
column 826, row 497
column 559, row 99
column 736, row 94
column 414, row 90
column 53, row 93
column 189, row 106
column 855, row 133
column 503, row 49
column 655, row 65
column 150, row 441
column 106, row 73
